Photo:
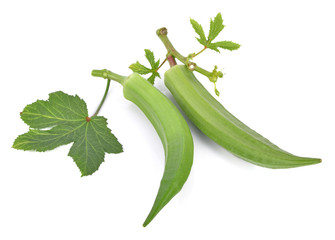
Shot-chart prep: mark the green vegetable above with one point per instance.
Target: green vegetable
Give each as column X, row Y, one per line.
column 67, row 116
column 63, row 119
column 171, row 128
column 222, row 127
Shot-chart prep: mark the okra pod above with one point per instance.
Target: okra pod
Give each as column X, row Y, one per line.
column 171, row 128
column 222, row 127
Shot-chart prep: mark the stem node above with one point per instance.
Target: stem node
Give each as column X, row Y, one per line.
column 162, row 34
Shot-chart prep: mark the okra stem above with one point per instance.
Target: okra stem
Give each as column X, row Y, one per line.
column 171, row 60
column 104, row 73
column 162, row 34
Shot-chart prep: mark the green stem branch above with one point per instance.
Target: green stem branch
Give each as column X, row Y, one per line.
column 173, row 53
column 162, row 34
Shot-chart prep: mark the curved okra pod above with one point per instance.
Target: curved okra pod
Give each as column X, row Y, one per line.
column 222, row 127
column 171, row 128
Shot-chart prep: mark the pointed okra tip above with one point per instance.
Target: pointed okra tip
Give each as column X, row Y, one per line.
column 149, row 219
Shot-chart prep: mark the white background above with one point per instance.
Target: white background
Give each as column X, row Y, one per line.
column 280, row 83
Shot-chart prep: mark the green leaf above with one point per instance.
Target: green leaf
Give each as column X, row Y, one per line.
column 213, row 47
column 43, row 140
column 61, row 108
column 141, row 69
column 228, row 45
column 216, row 27
column 200, row 31
column 151, row 79
column 68, row 118
column 150, row 56
column 92, row 140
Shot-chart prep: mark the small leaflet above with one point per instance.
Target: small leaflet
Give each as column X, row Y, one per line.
column 200, row 31
column 228, row 45
column 216, row 26
column 141, row 69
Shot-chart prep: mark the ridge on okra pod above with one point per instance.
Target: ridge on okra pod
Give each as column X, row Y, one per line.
column 63, row 119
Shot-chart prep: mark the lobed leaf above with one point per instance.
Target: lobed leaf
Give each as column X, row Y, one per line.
column 141, row 69
column 67, row 115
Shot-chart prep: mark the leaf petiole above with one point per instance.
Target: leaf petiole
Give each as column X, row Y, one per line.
column 161, row 64
column 196, row 54
column 104, row 73
column 103, row 99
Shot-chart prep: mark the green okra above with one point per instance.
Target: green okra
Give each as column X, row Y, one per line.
column 171, row 128
column 224, row 128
